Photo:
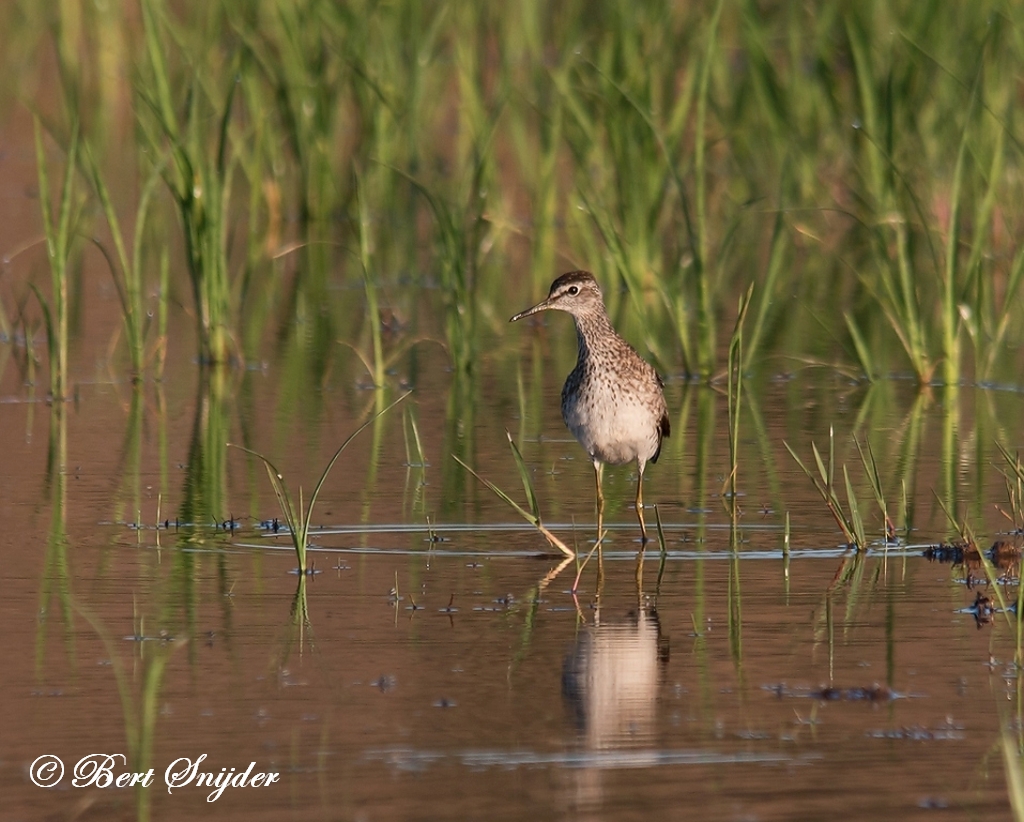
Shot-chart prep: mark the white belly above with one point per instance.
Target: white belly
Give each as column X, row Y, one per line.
column 615, row 431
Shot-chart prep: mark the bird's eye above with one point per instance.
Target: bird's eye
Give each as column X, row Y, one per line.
column 574, row 290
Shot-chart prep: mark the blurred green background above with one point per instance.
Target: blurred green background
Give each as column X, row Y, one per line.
column 384, row 173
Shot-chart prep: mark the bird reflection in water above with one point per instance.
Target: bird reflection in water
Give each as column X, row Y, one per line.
column 610, row 683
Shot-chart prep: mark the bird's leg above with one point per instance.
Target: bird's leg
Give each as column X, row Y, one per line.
column 643, row 529
column 640, row 506
column 598, row 475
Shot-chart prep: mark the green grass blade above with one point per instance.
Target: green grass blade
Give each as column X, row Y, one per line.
column 825, row 474
column 44, row 190
column 51, row 342
column 163, row 101
column 344, row 445
column 860, row 347
column 529, row 517
column 819, row 485
column 126, row 282
column 524, row 475
column 277, row 483
column 108, row 208
column 1014, row 777
column 855, row 519
column 874, row 478
column 827, row 494
column 66, row 196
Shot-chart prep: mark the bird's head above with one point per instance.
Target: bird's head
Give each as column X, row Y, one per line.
column 576, row 292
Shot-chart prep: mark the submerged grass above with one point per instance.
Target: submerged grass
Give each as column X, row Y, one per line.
column 1013, row 765
column 1014, row 479
column 127, row 272
column 532, row 515
column 194, row 156
column 848, row 518
column 735, row 396
column 299, row 517
column 139, row 688
column 860, row 159
column 59, row 234
column 671, row 149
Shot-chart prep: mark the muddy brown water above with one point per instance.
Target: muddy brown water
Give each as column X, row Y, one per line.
column 453, row 678
column 838, row 688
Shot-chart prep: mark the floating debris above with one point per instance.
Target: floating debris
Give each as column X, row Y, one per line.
column 309, row 572
column 385, row 683
column 1004, row 556
column 1004, row 553
column 871, row 693
column 162, row 636
column 917, row 733
column 952, row 553
column 982, row 609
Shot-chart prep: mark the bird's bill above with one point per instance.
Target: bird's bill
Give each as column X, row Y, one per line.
column 541, row 306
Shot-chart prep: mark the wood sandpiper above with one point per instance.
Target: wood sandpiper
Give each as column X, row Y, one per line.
column 612, row 401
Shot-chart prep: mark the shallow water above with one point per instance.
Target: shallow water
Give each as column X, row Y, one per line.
column 436, row 663
column 452, row 676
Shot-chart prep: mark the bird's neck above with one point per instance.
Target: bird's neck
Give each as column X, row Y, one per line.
column 590, row 328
